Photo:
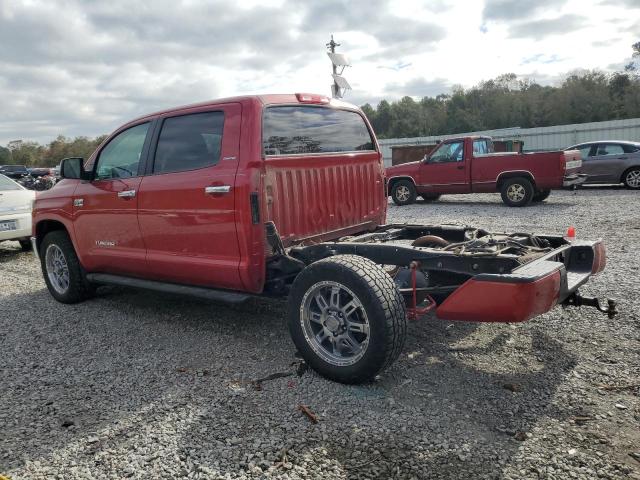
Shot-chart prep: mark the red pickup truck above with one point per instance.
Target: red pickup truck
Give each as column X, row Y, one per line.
column 284, row 196
column 470, row 165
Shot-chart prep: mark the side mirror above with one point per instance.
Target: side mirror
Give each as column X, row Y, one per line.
column 73, row 167
column 425, row 159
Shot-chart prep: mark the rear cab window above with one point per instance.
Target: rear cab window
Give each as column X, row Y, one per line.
column 300, row 130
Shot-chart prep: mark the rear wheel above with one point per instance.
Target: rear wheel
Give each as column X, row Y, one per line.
column 403, row 192
column 63, row 274
column 631, row 178
column 430, row 198
column 517, row 192
column 541, row 196
column 347, row 318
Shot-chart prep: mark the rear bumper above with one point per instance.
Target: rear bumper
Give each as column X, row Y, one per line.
column 23, row 226
column 574, row 179
column 530, row 290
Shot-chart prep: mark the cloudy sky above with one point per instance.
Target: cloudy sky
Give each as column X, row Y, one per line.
column 83, row 68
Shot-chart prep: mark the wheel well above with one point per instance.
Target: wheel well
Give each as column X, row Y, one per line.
column 624, row 174
column 395, row 180
column 45, row 226
column 507, row 175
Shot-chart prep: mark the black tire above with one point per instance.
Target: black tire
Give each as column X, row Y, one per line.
column 25, row 245
column 629, row 182
column 403, row 192
column 380, row 303
column 541, row 196
column 430, row 198
column 520, row 185
column 78, row 289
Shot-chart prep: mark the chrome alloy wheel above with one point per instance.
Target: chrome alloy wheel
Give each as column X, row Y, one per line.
column 334, row 323
column 516, row 192
column 403, row 193
column 57, row 269
column 633, row 179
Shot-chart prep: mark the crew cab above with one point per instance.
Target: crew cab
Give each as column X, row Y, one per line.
column 284, row 196
column 470, row 165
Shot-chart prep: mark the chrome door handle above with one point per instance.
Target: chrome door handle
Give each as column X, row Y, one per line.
column 127, row 194
column 218, row 189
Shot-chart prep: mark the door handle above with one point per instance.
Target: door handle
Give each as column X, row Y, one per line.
column 217, row 189
column 460, row 167
column 127, row 194
column 622, row 158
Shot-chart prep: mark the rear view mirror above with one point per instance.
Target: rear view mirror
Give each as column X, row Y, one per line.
column 73, row 167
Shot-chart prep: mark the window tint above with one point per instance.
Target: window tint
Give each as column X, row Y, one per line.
column 609, row 149
column 7, row 184
column 298, row 130
column 120, row 158
column 630, row 148
column 189, row 142
column 448, row 152
column 480, row 147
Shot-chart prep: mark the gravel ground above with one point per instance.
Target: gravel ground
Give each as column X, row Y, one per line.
column 143, row 385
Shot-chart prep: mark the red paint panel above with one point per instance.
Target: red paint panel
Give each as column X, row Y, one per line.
column 484, row 301
column 315, row 194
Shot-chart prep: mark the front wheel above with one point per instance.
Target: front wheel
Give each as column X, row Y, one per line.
column 631, row 178
column 347, row 318
column 62, row 271
column 517, row 192
column 541, row 196
column 403, row 192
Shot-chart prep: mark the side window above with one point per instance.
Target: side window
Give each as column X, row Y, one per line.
column 305, row 129
column 609, row 149
column 630, row 148
column 120, row 158
column 189, row 142
column 448, row 152
column 584, row 151
column 480, row 147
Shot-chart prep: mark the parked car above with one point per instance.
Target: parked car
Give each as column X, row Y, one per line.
column 470, row 165
column 15, row 212
column 284, row 196
column 14, row 171
column 610, row 161
column 41, row 171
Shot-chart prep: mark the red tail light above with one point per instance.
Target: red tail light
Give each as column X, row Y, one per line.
column 599, row 258
column 312, row 98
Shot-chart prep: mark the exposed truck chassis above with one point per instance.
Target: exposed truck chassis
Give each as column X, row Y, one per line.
column 464, row 273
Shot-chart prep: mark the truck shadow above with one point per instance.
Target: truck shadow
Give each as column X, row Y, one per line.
column 95, row 380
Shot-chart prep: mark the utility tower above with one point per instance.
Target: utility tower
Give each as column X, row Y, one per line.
column 340, row 84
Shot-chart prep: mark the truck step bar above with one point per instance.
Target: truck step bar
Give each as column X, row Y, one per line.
column 208, row 293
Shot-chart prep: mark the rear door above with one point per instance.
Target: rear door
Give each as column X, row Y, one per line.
column 105, row 208
column 606, row 162
column 187, row 207
column 446, row 169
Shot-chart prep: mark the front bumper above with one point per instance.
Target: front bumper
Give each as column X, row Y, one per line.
column 574, row 179
column 530, row 290
column 23, row 229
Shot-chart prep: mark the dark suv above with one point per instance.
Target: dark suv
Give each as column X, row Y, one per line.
column 14, row 171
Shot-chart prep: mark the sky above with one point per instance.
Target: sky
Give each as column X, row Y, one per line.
column 85, row 67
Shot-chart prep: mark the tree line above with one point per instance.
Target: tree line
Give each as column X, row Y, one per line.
column 505, row 101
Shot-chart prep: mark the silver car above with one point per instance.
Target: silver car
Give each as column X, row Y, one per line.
column 610, row 161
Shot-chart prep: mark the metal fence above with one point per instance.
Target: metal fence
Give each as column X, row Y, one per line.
column 537, row 139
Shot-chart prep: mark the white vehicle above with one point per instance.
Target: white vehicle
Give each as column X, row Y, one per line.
column 16, row 203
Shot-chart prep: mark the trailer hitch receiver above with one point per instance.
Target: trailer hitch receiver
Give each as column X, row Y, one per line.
column 577, row 300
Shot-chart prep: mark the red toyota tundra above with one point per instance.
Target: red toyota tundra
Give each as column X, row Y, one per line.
column 469, row 165
column 284, row 196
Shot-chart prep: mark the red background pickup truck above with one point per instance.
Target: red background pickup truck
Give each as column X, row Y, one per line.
column 469, row 165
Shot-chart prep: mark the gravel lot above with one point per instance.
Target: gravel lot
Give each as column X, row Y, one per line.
column 143, row 385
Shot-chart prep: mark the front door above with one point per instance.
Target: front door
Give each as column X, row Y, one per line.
column 605, row 163
column 446, row 169
column 187, row 200
column 105, row 209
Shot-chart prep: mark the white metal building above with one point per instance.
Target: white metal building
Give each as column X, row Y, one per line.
column 536, row 139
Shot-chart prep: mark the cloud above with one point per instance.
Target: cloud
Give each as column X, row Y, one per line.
column 419, row 87
column 538, row 29
column 502, row 10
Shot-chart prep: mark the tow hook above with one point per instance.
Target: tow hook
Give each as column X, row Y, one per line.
column 578, row 300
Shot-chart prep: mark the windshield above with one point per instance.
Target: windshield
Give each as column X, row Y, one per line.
column 7, row 184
